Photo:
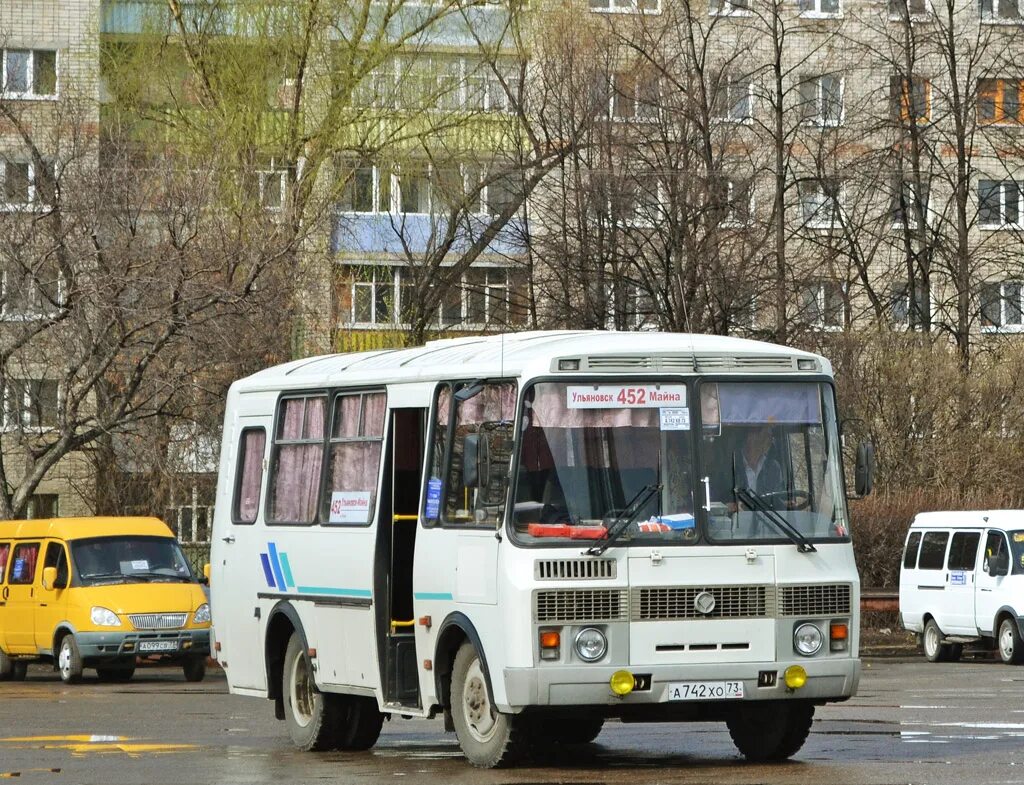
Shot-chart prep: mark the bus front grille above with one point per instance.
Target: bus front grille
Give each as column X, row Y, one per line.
column 819, row 600
column 157, row 621
column 571, row 605
column 679, row 602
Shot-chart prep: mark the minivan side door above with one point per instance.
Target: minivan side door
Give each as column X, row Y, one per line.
column 19, row 626
column 990, row 594
column 960, row 578
column 5, row 553
column 53, row 602
column 929, row 580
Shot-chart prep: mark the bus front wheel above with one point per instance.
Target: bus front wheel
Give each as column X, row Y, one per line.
column 770, row 731
column 310, row 718
column 488, row 737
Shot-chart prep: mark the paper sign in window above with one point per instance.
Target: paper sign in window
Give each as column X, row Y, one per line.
column 675, row 419
column 350, row 507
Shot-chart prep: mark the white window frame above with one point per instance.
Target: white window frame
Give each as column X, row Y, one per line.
column 1003, row 224
column 30, row 94
column 813, row 221
column 731, row 220
column 33, row 203
column 265, row 177
column 729, row 8
column 896, row 16
column 1003, row 326
column 900, row 294
column 10, row 421
column 817, row 13
column 910, row 188
column 37, row 309
column 993, row 18
column 727, row 116
column 393, row 282
column 625, row 7
column 377, row 175
column 819, row 119
column 637, row 115
column 821, row 299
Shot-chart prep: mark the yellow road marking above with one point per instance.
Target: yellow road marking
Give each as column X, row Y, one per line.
column 85, row 744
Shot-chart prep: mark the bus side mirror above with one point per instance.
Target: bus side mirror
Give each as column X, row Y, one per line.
column 864, row 473
column 50, row 578
column 206, row 573
column 471, row 461
column 999, row 564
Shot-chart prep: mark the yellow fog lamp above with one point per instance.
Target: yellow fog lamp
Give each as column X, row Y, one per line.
column 795, row 676
column 622, row 683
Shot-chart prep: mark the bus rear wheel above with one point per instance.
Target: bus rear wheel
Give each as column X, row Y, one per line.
column 311, row 719
column 770, row 731
column 488, row 738
column 357, row 722
column 567, row 730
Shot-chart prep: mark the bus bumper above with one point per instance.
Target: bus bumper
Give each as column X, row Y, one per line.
column 827, row 680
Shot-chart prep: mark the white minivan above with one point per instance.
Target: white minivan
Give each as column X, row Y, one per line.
column 962, row 582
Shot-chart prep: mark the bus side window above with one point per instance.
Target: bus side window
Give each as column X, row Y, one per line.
column 23, row 563
column 249, row 478
column 297, row 457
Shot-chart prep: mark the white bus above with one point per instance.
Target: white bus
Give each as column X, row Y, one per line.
column 533, row 533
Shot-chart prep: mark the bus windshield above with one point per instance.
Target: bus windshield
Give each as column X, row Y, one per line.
column 761, row 463
column 129, row 559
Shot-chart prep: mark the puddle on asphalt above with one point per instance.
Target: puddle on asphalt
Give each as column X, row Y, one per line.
column 86, row 744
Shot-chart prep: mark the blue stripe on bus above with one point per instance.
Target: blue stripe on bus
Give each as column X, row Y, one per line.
column 432, row 595
column 276, row 565
column 287, row 568
column 329, row 590
column 266, row 570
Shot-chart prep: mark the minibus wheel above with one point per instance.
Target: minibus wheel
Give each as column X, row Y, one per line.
column 934, row 649
column 488, row 737
column 69, row 660
column 1011, row 648
column 194, row 668
column 6, row 667
column 311, row 719
column 116, row 673
column 770, row 730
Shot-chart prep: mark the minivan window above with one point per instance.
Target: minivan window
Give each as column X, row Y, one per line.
column 57, row 558
column 129, row 559
column 1017, row 552
column 5, row 549
column 23, row 563
column 963, row 551
column 933, row 550
column 910, row 556
column 995, row 544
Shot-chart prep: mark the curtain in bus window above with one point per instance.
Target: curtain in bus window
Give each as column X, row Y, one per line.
column 5, row 549
column 23, row 563
column 356, row 439
column 297, row 474
column 253, row 445
column 748, row 404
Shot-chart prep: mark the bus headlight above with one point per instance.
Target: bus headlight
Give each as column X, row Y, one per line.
column 104, row 617
column 202, row 614
column 591, row 644
column 807, row 639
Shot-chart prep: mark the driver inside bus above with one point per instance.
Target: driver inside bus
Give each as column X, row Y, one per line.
column 754, row 468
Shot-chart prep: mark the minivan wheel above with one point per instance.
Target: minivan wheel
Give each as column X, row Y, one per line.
column 69, row 660
column 1011, row 648
column 6, row 667
column 194, row 668
column 934, row 649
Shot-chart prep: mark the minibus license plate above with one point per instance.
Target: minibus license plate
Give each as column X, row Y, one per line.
column 158, row 645
column 704, row 690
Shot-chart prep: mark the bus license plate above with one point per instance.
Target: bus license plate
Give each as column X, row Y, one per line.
column 704, row 690
column 158, row 645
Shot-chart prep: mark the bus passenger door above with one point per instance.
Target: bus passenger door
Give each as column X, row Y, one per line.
column 237, row 550
column 396, row 543
column 20, row 594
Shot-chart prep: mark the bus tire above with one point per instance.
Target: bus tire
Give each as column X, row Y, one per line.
column 1011, row 648
column 770, row 731
column 116, row 673
column 311, row 719
column 488, row 738
column 69, row 660
column 194, row 668
column 931, row 642
column 358, row 722
column 568, row 730
column 6, row 667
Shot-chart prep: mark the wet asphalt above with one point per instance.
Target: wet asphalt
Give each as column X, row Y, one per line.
column 912, row 722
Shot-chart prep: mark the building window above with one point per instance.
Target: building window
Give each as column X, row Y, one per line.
column 999, row 101
column 903, row 9
column 821, row 305
column 272, row 184
column 908, row 307
column 1001, row 305
column 626, row 6
column 634, row 96
column 908, row 202
column 820, row 202
column 734, row 101
column 821, row 100
column 1000, row 10
column 999, row 204
column 367, row 189
column 190, row 522
column 20, row 186
column 420, row 81
column 30, row 403
column 29, row 294
column 910, row 99
column 43, row 505
column 733, row 202
column 729, row 7
column 819, row 7
column 28, row 73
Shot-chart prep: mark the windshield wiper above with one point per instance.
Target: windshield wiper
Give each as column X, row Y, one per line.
column 756, row 503
column 624, row 519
